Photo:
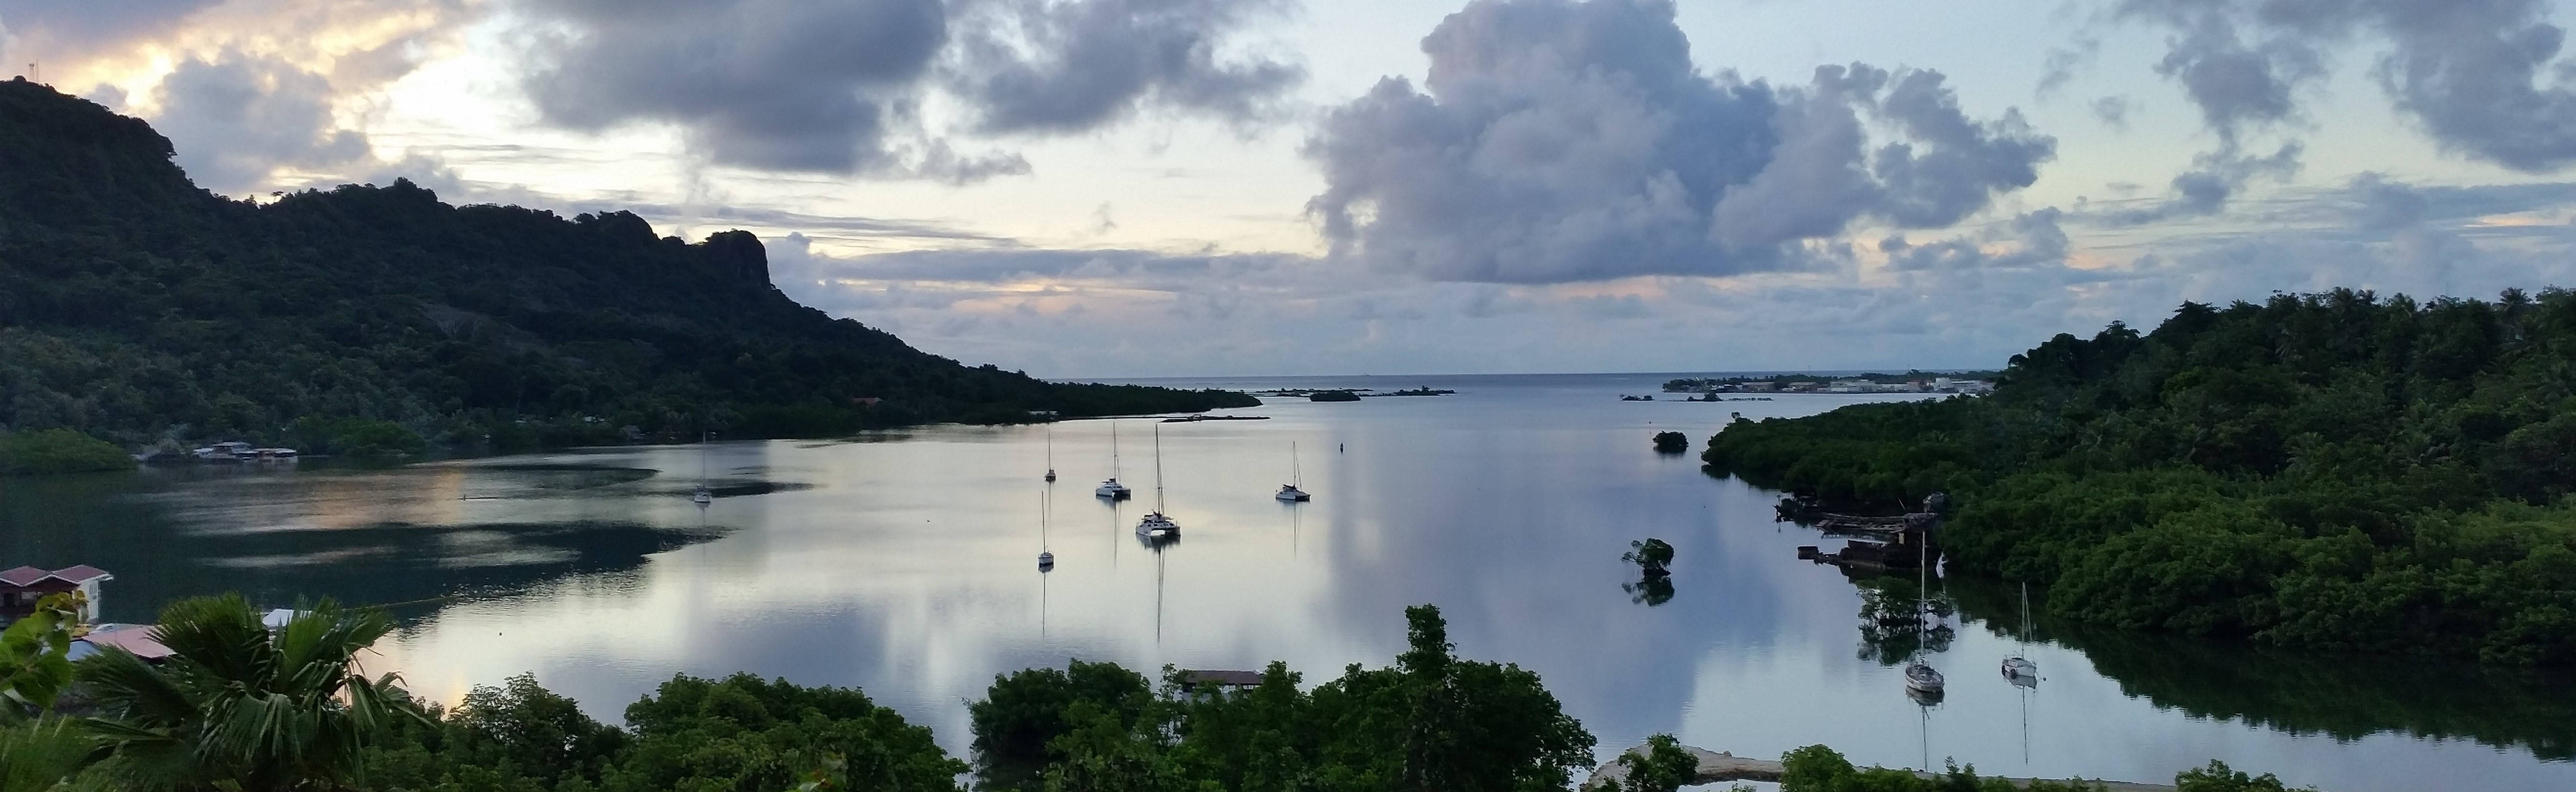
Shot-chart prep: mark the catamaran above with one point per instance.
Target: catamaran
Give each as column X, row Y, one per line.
column 1289, row 491
column 1155, row 525
column 1111, row 489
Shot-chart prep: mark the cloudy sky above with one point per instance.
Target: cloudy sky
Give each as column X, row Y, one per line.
column 1219, row 187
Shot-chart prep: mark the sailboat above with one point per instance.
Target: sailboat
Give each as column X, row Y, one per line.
column 1289, row 491
column 1155, row 525
column 2019, row 668
column 1111, row 489
column 1050, row 455
column 1920, row 677
column 703, row 496
column 1046, row 559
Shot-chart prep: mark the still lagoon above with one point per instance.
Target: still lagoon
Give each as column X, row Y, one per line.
column 904, row 563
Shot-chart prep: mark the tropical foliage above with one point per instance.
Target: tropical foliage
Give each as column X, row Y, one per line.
column 1433, row 721
column 134, row 307
column 1817, row 768
column 35, row 658
column 1661, row 765
column 692, row 735
column 2328, row 471
column 58, row 451
column 1671, row 442
column 242, row 706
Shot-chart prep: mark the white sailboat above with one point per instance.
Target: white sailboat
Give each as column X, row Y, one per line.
column 1111, row 489
column 2019, row 668
column 1156, row 525
column 1921, row 677
column 1050, row 477
column 703, row 496
column 1046, row 558
column 1289, row 491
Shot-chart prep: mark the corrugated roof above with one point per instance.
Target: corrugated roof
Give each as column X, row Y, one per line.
column 23, row 575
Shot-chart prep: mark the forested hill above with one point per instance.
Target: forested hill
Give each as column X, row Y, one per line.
column 137, row 307
column 2326, row 471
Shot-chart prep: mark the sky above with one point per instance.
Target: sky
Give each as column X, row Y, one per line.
column 1141, row 188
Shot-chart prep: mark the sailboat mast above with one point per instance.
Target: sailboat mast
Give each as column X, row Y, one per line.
column 1158, row 468
column 1113, row 449
column 1296, row 475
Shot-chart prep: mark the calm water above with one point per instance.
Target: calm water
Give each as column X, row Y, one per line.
column 904, row 563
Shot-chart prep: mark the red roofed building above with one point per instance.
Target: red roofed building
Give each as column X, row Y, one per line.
column 21, row 588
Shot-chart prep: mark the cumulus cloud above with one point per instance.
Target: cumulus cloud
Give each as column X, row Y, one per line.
column 236, row 119
column 2482, row 77
column 2236, row 83
column 1560, row 141
column 1042, row 66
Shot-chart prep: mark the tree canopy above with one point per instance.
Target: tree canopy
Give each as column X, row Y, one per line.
column 2329, row 470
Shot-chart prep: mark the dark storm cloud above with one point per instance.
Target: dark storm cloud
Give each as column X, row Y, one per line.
column 1559, row 141
column 833, row 86
column 1037, row 66
column 236, row 119
column 2482, row 77
column 785, row 85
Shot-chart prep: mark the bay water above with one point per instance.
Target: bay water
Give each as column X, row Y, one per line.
column 904, row 563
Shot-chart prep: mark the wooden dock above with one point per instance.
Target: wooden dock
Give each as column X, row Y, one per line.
column 1717, row 767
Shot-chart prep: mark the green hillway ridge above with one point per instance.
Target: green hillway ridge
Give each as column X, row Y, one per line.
column 139, row 309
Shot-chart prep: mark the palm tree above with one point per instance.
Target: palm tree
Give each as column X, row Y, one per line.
column 46, row 755
column 239, row 706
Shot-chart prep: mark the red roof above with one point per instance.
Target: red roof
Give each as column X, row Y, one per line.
column 25, row 576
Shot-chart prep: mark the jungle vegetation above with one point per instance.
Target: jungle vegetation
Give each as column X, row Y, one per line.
column 58, row 450
column 135, row 307
column 241, row 707
column 2329, row 471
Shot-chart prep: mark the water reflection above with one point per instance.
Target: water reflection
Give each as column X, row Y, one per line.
column 1895, row 624
column 1649, row 590
column 2347, row 698
column 901, row 564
